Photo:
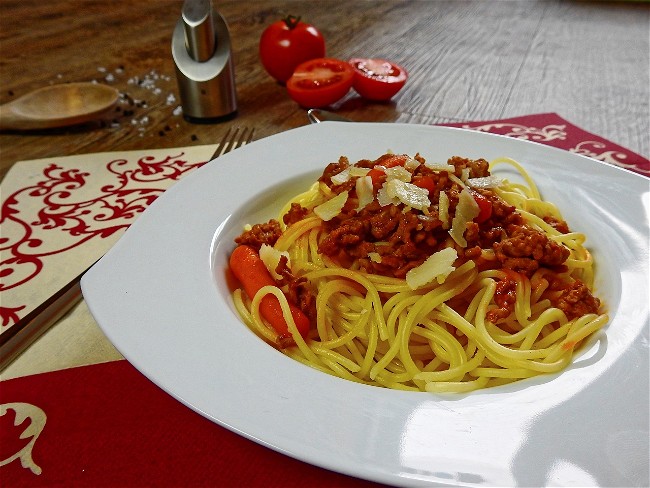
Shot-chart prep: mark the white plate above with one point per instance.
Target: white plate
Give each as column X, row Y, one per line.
column 160, row 296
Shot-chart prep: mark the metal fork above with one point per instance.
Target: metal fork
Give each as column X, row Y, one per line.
column 233, row 139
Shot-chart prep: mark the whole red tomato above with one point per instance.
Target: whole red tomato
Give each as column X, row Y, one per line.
column 287, row 43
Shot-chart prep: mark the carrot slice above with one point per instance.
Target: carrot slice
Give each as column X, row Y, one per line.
column 249, row 269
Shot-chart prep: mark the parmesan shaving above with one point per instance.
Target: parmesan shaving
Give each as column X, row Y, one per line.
column 411, row 164
column 398, row 173
column 342, row 177
column 375, row 257
column 270, row 256
column 443, row 209
column 457, row 180
column 331, row 208
column 408, row 194
column 485, row 182
column 438, row 166
column 364, row 192
column 437, row 267
column 466, row 210
column 357, row 171
column 383, row 198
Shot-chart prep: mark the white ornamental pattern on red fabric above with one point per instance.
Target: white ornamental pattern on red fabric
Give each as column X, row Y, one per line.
column 553, row 130
column 545, row 134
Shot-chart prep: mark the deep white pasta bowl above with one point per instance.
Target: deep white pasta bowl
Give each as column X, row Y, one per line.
column 162, row 298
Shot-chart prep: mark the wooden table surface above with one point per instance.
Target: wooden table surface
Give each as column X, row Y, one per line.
column 468, row 60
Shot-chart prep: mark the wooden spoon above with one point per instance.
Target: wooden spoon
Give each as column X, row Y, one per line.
column 58, row 106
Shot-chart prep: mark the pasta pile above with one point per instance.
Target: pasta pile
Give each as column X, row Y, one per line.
column 447, row 334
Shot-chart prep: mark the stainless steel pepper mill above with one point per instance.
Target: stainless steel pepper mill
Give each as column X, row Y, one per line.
column 204, row 67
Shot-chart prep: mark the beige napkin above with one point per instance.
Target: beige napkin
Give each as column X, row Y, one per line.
column 59, row 215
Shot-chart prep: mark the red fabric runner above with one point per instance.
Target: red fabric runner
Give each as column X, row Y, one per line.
column 107, row 425
column 553, row 130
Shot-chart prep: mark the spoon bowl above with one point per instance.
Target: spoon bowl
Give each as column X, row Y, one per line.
column 58, row 106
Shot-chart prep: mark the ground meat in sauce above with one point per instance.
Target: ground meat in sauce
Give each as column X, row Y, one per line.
column 405, row 238
column 295, row 214
column 333, row 169
column 558, row 224
column 575, row 300
column 259, row 234
column 526, row 249
column 298, row 291
column 505, row 297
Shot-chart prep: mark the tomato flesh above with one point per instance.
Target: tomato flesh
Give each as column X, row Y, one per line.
column 427, row 183
column 377, row 173
column 320, row 82
column 377, row 79
column 484, row 206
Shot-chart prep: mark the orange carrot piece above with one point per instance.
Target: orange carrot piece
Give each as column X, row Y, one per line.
column 249, row 269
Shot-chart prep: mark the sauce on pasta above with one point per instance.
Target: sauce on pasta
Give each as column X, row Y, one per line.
column 423, row 276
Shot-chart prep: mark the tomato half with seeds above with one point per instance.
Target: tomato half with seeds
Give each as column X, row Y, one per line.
column 320, row 82
column 377, row 79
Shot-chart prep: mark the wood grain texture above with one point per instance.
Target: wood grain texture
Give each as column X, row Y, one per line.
column 468, row 60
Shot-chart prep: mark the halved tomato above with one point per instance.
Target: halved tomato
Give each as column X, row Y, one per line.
column 320, row 82
column 377, row 79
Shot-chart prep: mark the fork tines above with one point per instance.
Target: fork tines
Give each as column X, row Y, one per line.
column 234, row 138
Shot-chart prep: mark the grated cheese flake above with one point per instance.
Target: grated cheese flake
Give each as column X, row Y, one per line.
column 342, row 177
column 375, row 257
column 485, row 182
column 383, row 198
column 408, row 193
column 438, row 166
column 270, row 256
column 466, row 210
column 357, row 171
column 331, row 208
column 411, row 164
column 398, row 173
column 443, row 209
column 436, row 267
column 457, row 180
column 364, row 191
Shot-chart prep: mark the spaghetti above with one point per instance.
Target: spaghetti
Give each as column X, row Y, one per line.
column 423, row 276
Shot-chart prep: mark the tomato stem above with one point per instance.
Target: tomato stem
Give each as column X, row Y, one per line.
column 292, row 21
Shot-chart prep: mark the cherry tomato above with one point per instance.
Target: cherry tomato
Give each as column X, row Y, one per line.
column 320, row 82
column 484, row 206
column 287, row 43
column 377, row 79
column 377, row 173
column 427, row 183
